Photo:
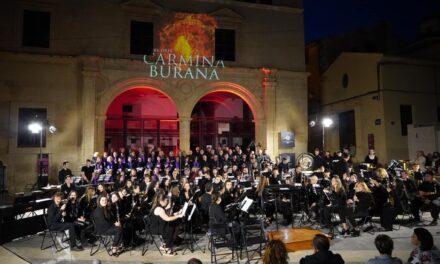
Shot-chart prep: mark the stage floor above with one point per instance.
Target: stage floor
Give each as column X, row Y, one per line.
column 353, row 250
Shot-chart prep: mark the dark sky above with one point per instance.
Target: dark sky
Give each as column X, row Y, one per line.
column 328, row 17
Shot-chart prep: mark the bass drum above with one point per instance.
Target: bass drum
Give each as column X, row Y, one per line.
column 305, row 161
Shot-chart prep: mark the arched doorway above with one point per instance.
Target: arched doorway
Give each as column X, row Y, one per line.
column 222, row 118
column 142, row 117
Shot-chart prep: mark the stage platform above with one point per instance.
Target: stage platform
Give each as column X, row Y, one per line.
column 295, row 239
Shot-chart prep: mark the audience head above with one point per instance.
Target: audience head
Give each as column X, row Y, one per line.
column 194, row 261
column 321, row 243
column 384, row 244
column 216, row 198
column 208, row 187
column 422, row 238
column 275, row 252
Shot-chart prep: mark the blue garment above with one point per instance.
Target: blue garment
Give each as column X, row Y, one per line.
column 384, row 259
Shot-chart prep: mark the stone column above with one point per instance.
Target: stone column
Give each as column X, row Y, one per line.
column 88, row 91
column 270, row 84
column 184, row 133
column 260, row 132
column 100, row 134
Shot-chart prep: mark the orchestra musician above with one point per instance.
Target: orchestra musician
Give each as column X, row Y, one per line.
column 356, row 207
column 160, row 220
column 67, row 186
column 383, row 202
column 216, row 212
column 371, row 158
column 56, row 214
column 334, row 200
column 74, row 216
column 105, row 225
column 87, row 203
column 429, row 190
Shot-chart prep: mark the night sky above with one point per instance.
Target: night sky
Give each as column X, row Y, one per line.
column 324, row 18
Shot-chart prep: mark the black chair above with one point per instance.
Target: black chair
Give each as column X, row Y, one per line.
column 103, row 240
column 253, row 238
column 53, row 235
column 151, row 236
column 222, row 236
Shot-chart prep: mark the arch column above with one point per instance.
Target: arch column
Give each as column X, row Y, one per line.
column 184, row 133
column 100, row 133
column 260, row 132
column 88, row 91
column 271, row 145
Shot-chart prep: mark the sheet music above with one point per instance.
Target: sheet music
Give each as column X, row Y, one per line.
column 185, row 207
column 192, row 212
column 246, row 204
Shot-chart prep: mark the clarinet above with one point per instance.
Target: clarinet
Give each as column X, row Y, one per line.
column 354, row 202
column 118, row 218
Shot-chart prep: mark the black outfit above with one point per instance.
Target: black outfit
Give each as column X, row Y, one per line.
column 67, row 189
column 322, row 257
column 56, row 222
column 216, row 215
column 86, row 208
column 103, row 226
column 361, row 209
column 163, row 228
column 332, row 203
column 431, row 187
column 72, row 215
column 62, row 175
column 382, row 207
column 88, row 171
column 373, row 161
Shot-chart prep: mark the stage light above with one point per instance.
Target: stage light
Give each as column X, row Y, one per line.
column 52, row 129
column 35, row 127
column 327, row 122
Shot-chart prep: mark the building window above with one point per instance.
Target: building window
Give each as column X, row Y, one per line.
column 36, row 29
column 25, row 138
column 405, row 118
column 225, row 44
column 141, row 38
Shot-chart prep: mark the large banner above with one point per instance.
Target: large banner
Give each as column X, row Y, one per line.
column 187, row 43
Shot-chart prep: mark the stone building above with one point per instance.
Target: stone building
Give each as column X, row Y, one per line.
column 78, row 63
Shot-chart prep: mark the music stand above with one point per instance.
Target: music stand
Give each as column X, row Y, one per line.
column 77, row 180
column 101, row 178
column 188, row 237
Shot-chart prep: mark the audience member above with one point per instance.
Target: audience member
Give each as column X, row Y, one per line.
column 322, row 255
column 385, row 246
column 425, row 251
column 275, row 253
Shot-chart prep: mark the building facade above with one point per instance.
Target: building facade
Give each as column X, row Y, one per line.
column 373, row 97
column 70, row 62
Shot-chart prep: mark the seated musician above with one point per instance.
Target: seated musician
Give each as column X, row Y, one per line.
column 160, row 221
column 407, row 192
column 382, row 202
column 87, row 203
column 120, row 180
column 314, row 192
column 356, row 207
column 104, row 225
column 227, row 194
column 268, row 206
column 55, row 220
column 335, row 200
column 186, row 193
column 429, row 191
column 216, row 213
column 145, row 183
column 275, row 177
column 74, row 216
column 67, row 186
column 100, row 190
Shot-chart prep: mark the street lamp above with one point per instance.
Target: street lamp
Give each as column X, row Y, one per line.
column 326, row 122
column 35, row 127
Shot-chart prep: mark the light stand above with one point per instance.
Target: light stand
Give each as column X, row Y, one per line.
column 37, row 127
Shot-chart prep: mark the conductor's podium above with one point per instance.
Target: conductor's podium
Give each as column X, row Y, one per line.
column 295, row 238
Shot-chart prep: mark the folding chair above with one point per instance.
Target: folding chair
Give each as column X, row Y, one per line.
column 53, row 234
column 151, row 236
column 103, row 240
column 253, row 238
column 222, row 236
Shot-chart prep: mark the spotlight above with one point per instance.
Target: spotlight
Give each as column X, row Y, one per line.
column 327, row 122
column 52, row 129
column 35, row 127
